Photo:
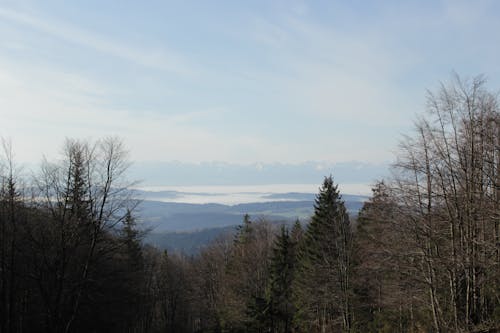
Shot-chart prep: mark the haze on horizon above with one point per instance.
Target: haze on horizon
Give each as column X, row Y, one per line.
column 243, row 83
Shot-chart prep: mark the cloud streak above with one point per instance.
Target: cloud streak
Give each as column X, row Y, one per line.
column 158, row 59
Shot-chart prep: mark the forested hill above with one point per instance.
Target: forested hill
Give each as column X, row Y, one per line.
column 173, row 216
column 187, row 228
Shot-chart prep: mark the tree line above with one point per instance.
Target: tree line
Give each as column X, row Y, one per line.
column 422, row 256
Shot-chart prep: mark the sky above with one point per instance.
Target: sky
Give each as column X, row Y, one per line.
column 241, row 82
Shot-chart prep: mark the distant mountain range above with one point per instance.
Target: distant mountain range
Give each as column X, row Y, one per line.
column 221, row 173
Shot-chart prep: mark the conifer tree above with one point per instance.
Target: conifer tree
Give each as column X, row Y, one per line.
column 247, row 277
column 322, row 288
column 296, row 233
column 132, row 241
column 280, row 308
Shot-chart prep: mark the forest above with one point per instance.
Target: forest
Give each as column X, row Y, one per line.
column 423, row 255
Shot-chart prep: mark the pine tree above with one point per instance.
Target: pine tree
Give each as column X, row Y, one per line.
column 322, row 287
column 132, row 240
column 297, row 233
column 280, row 309
column 77, row 201
column 244, row 232
column 247, row 277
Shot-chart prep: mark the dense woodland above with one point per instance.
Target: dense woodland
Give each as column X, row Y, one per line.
column 422, row 256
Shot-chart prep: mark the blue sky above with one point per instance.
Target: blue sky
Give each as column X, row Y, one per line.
column 234, row 81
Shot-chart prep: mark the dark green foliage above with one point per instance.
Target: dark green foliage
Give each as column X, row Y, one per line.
column 131, row 237
column 244, row 232
column 280, row 308
column 297, row 232
column 322, row 287
column 77, row 193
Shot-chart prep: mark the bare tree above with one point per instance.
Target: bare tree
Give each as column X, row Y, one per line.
column 446, row 179
column 85, row 194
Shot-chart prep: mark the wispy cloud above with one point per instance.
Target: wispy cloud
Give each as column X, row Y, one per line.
column 465, row 13
column 40, row 111
column 156, row 58
column 330, row 73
